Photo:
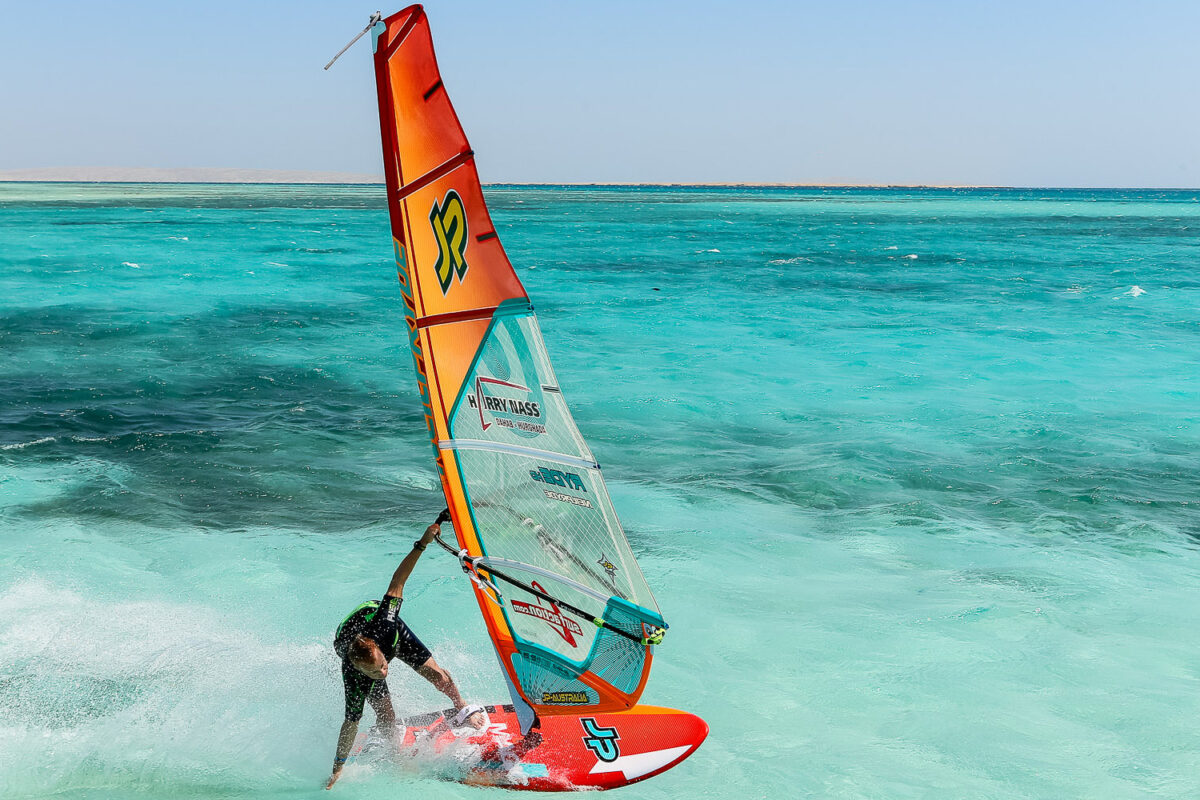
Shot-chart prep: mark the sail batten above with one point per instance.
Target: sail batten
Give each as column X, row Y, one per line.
column 466, row 315
column 575, row 622
column 440, row 171
column 499, row 447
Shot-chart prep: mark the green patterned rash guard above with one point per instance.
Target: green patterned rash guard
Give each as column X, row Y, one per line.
column 378, row 620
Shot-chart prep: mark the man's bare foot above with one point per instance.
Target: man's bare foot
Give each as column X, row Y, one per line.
column 471, row 715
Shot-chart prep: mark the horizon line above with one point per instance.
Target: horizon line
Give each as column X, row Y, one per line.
column 610, row 184
column 127, row 175
column 118, row 175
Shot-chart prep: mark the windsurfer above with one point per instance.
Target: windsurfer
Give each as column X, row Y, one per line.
column 372, row 636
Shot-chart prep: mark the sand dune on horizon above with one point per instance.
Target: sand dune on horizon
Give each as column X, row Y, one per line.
column 182, row 175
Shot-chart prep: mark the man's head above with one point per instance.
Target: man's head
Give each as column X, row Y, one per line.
column 367, row 658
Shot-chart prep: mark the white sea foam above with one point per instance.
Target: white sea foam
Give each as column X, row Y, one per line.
column 23, row 445
column 158, row 692
column 1136, row 291
column 131, row 265
column 414, row 479
column 910, row 256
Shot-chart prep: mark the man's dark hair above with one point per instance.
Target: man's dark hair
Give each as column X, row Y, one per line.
column 362, row 650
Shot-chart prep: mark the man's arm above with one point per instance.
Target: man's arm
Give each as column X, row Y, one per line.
column 345, row 742
column 396, row 587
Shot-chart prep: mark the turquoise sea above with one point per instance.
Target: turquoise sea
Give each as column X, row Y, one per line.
column 914, row 475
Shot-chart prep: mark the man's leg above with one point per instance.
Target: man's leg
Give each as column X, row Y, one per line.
column 385, row 714
column 381, row 703
column 413, row 652
column 441, row 681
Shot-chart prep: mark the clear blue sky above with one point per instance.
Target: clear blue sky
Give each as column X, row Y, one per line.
column 1017, row 93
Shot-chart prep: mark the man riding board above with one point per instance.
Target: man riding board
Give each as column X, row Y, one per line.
column 372, row 636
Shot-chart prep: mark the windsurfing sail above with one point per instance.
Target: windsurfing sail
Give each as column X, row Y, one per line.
column 564, row 601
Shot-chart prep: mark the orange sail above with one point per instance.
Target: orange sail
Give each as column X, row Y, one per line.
column 573, row 621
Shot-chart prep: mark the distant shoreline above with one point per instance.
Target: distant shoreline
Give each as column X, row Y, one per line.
column 180, row 175
column 263, row 176
column 206, row 175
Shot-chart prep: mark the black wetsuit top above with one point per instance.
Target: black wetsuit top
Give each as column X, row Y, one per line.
column 378, row 620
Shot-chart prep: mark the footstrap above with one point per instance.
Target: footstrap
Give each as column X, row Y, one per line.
column 460, row 719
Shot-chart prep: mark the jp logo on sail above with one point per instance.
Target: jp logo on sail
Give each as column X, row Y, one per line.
column 449, row 221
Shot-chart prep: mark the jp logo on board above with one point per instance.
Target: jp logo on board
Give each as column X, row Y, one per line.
column 449, row 221
column 600, row 740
